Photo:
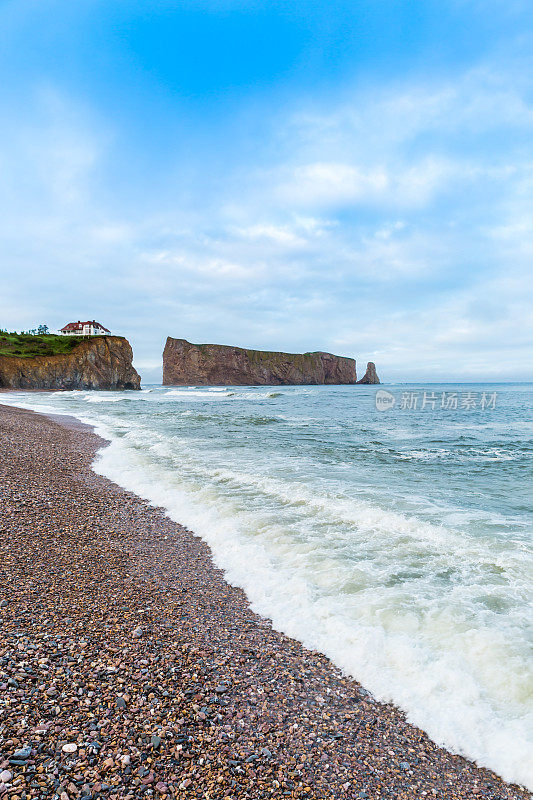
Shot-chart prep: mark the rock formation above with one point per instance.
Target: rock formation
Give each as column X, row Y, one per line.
column 99, row 362
column 215, row 364
column 370, row 375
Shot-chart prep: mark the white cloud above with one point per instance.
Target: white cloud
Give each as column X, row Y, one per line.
column 279, row 234
column 323, row 184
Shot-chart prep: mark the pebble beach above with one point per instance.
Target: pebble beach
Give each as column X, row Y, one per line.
column 130, row 668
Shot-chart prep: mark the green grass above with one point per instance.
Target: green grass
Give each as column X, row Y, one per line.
column 25, row 345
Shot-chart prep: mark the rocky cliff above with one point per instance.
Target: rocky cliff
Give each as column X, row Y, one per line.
column 101, row 362
column 370, row 375
column 215, row 364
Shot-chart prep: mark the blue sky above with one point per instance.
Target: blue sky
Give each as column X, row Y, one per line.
column 345, row 176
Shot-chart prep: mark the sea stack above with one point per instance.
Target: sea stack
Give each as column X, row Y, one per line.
column 215, row 364
column 370, row 375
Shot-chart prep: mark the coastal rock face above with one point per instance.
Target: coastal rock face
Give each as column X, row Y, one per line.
column 370, row 375
column 215, row 364
column 102, row 362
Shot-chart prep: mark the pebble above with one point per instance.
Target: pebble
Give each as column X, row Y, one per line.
column 70, row 747
column 22, row 754
column 5, row 776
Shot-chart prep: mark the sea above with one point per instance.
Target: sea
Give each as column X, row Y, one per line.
column 388, row 527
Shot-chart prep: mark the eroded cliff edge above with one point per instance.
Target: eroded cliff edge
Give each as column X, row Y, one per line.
column 215, row 364
column 100, row 362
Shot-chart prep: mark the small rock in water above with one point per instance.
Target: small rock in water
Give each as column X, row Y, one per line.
column 5, row 776
column 71, row 747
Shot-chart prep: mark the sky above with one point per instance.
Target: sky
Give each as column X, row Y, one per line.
column 355, row 177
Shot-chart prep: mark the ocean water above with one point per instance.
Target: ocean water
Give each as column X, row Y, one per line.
column 396, row 542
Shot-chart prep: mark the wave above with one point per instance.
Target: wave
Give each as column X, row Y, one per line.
column 99, row 399
column 475, row 455
column 216, row 393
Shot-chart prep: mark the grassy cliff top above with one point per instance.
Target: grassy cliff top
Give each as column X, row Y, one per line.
column 27, row 345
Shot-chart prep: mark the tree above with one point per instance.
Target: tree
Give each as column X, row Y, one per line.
column 42, row 329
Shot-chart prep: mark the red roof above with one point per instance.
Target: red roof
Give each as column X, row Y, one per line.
column 78, row 326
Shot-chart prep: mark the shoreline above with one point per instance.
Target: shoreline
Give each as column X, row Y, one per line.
column 154, row 658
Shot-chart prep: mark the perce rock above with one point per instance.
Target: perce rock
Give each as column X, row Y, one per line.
column 99, row 362
column 215, row 364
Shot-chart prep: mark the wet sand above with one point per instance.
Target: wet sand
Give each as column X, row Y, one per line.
column 130, row 668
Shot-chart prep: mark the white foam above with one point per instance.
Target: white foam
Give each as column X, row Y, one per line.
column 99, row 399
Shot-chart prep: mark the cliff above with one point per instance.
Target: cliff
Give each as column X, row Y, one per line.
column 370, row 375
column 215, row 364
column 100, row 362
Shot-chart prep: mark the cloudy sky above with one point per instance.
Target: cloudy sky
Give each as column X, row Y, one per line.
column 279, row 174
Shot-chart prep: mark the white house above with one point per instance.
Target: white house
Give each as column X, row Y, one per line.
column 91, row 328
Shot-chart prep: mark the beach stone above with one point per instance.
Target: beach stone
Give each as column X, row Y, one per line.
column 137, row 632
column 22, row 754
column 121, row 703
column 155, row 742
column 5, row 776
column 71, row 747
